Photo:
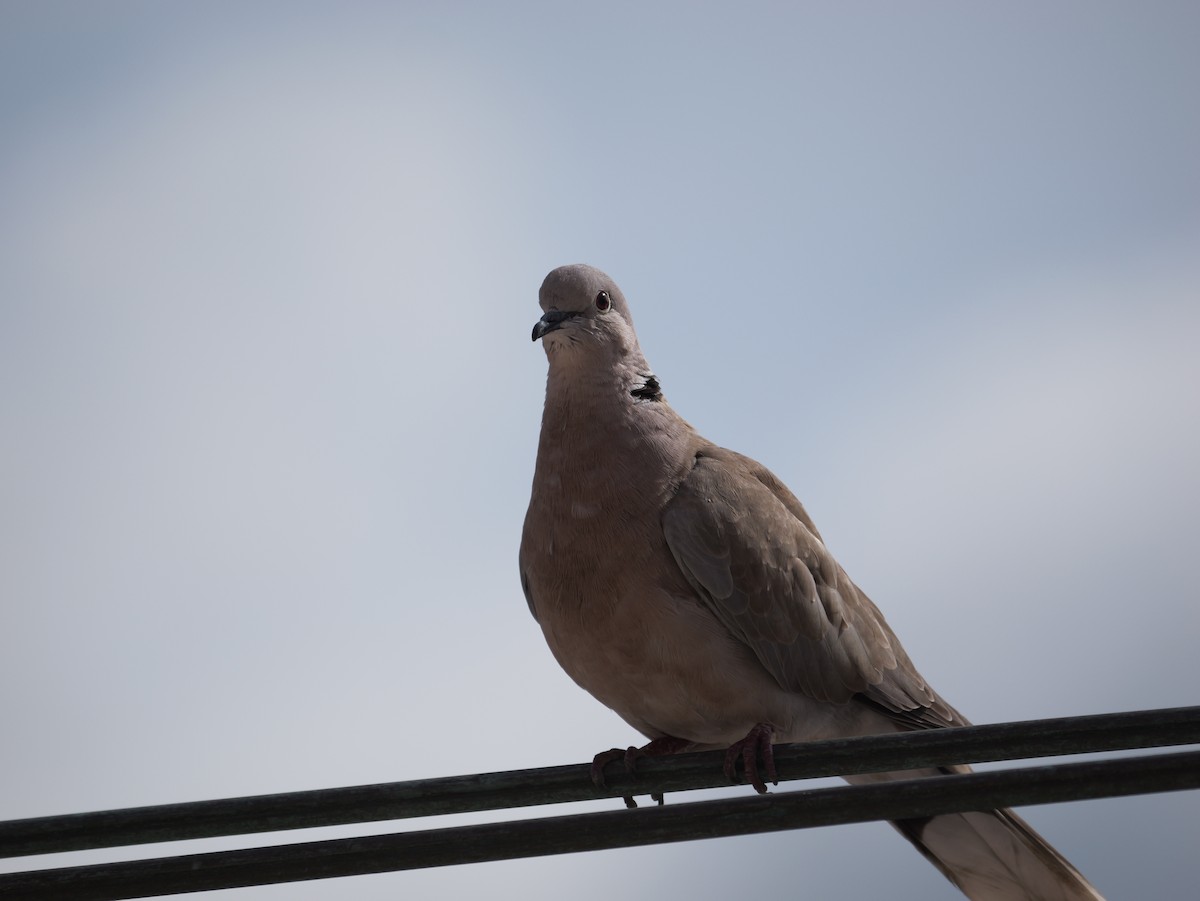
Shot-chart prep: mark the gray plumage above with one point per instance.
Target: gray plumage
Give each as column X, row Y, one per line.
column 685, row 587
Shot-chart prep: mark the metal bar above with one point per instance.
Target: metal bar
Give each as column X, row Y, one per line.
column 610, row 829
column 552, row 785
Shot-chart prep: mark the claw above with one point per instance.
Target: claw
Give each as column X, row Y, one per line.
column 629, row 756
column 600, row 761
column 756, row 744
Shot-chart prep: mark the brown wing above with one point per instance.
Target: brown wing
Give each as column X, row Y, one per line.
column 750, row 551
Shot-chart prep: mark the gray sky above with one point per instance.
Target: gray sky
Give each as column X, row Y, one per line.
column 269, row 403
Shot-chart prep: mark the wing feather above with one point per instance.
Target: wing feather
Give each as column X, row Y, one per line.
column 749, row 550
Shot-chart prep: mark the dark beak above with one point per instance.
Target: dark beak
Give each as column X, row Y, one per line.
column 549, row 322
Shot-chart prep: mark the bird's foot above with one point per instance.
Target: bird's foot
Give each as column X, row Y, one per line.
column 756, row 744
column 600, row 761
column 629, row 756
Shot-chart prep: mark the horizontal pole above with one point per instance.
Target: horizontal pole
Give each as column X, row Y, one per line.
column 553, row 785
column 610, row 829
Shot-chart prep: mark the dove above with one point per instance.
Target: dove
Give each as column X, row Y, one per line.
column 686, row 588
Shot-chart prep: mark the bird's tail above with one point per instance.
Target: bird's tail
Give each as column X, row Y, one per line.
column 993, row 855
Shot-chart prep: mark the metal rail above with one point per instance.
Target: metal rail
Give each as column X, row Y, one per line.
column 608, row 829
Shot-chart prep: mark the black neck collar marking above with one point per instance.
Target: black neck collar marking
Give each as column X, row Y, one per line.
column 649, row 390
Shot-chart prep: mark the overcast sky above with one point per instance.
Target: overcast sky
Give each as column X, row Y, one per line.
column 269, row 408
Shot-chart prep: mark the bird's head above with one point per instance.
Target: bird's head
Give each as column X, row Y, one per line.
column 585, row 316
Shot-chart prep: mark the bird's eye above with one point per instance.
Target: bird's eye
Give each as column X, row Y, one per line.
column 603, row 302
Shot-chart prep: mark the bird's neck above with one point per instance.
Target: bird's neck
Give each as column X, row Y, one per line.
column 590, row 407
column 611, row 434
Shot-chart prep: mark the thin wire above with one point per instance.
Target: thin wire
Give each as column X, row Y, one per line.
column 553, row 785
column 609, row 829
